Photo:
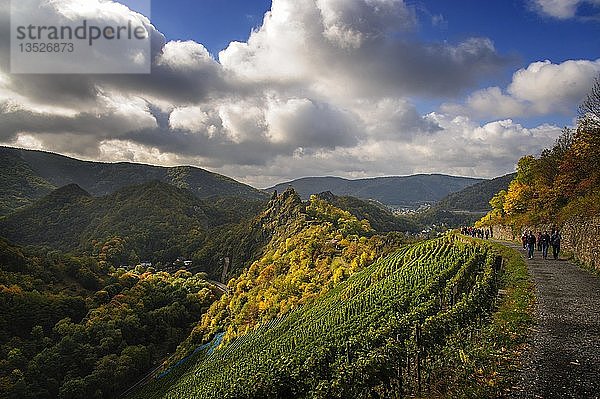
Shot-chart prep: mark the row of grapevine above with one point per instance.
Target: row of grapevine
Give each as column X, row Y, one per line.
column 369, row 335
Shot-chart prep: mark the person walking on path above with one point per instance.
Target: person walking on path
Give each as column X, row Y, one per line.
column 539, row 241
column 563, row 356
column 524, row 239
column 555, row 241
column 530, row 244
column 545, row 243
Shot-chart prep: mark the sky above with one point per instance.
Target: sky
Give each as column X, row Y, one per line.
column 266, row 91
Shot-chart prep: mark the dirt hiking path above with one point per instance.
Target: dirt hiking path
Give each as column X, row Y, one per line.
column 564, row 358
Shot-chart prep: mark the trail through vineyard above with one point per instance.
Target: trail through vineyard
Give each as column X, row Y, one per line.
column 564, row 357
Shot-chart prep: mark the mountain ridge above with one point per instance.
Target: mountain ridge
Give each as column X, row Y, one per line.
column 477, row 196
column 399, row 191
column 28, row 175
column 156, row 220
column 466, row 206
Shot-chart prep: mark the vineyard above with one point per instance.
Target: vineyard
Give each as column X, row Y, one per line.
column 378, row 334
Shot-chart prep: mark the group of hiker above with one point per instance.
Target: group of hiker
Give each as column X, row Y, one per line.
column 477, row 233
column 542, row 242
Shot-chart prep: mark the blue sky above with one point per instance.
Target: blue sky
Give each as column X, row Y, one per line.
column 513, row 25
column 518, row 31
column 214, row 23
column 351, row 88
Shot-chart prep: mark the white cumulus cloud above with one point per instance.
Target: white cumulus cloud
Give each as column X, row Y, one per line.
column 540, row 89
column 322, row 87
column 561, row 9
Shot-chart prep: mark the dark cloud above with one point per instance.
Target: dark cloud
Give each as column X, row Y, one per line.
column 431, row 70
column 323, row 87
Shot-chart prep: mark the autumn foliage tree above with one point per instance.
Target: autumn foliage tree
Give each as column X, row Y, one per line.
column 590, row 108
column 296, row 268
column 563, row 182
column 61, row 337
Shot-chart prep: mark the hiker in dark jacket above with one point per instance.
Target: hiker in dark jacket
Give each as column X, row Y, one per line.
column 545, row 243
column 530, row 245
column 555, row 241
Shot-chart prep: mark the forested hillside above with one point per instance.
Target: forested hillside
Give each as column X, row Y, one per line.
column 475, row 198
column 20, row 184
column 159, row 223
column 466, row 206
column 150, row 222
column 28, row 175
column 313, row 247
column 564, row 181
column 71, row 327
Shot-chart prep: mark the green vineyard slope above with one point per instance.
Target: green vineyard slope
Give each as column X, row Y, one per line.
column 371, row 336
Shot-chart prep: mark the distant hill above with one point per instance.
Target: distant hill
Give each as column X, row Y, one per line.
column 378, row 215
column 26, row 175
column 19, row 183
column 156, row 220
column 243, row 243
column 476, row 198
column 467, row 205
column 400, row 191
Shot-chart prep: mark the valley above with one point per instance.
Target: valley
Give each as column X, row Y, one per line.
column 283, row 199
column 221, row 270
column 173, row 294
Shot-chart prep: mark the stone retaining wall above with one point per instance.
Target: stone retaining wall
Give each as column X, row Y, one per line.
column 582, row 237
column 502, row 232
column 579, row 236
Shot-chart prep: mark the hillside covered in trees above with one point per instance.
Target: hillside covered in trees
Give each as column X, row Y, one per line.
column 27, row 175
column 563, row 182
column 157, row 222
column 317, row 247
column 71, row 327
column 154, row 222
column 463, row 207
